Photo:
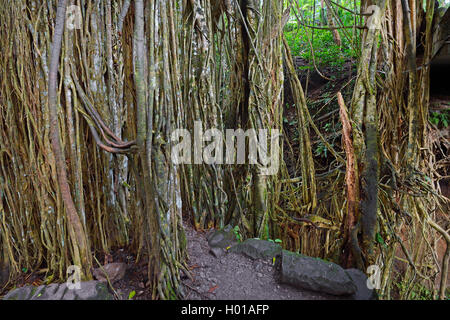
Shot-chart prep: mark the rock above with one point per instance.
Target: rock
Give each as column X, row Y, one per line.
column 222, row 238
column 360, row 280
column 217, row 252
column 93, row 290
column 115, row 272
column 257, row 249
column 89, row 290
column 314, row 274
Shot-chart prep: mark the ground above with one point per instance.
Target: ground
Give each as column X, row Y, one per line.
column 234, row 276
column 230, row 277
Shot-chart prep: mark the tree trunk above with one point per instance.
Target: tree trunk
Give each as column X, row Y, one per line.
column 81, row 252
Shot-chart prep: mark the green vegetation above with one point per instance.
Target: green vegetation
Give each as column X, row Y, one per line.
column 326, row 52
column 131, row 295
column 440, row 119
column 237, row 234
column 306, row 42
column 419, row 292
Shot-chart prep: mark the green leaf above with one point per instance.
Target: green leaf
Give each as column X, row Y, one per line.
column 278, row 241
column 49, row 279
column 126, row 185
column 131, row 295
column 380, row 239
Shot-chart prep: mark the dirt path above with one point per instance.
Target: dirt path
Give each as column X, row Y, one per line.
column 234, row 276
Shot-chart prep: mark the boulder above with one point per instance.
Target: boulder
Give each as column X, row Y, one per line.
column 257, row 249
column 217, row 252
column 89, row 290
column 222, row 238
column 114, row 271
column 360, row 280
column 315, row 274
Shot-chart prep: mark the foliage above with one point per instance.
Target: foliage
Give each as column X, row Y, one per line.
column 440, row 118
column 131, row 295
column 325, row 50
column 237, row 234
column 418, row 292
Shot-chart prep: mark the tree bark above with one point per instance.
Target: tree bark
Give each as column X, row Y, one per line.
column 81, row 252
column 336, row 35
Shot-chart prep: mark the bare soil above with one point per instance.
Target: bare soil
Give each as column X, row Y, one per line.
column 234, row 276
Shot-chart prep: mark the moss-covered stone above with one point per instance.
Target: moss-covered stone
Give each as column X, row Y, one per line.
column 315, row 274
column 222, row 238
column 89, row 290
column 257, row 249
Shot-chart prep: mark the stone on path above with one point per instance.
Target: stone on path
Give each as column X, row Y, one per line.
column 314, row 274
column 115, row 271
column 89, row 290
column 257, row 249
column 219, row 240
column 360, row 280
column 222, row 238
